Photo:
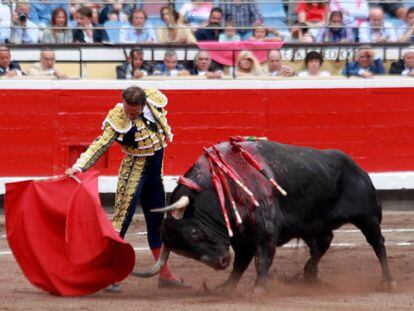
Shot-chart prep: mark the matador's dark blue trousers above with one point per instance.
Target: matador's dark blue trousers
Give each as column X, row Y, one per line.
column 149, row 190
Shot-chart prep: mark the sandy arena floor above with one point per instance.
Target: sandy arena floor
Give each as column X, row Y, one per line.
column 350, row 279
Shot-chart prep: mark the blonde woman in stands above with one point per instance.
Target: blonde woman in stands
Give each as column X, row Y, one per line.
column 248, row 65
column 313, row 63
column 173, row 32
column 57, row 32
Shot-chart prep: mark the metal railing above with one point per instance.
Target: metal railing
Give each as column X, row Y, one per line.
column 290, row 52
column 138, row 4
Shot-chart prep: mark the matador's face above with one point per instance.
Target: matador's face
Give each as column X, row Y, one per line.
column 133, row 111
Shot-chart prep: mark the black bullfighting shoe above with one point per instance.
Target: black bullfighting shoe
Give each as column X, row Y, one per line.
column 113, row 288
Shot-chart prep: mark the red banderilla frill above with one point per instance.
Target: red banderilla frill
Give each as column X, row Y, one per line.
column 189, row 183
column 249, row 158
column 226, row 188
column 229, row 173
column 219, row 190
column 230, row 168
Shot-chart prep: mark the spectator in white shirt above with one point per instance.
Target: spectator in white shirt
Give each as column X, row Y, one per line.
column 313, row 63
column 24, row 31
column 138, row 31
column 376, row 30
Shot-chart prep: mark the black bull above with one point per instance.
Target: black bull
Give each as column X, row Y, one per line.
column 325, row 190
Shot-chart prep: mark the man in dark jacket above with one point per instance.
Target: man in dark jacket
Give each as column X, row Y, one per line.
column 405, row 66
column 203, row 68
column 8, row 68
column 212, row 31
column 86, row 31
column 134, row 68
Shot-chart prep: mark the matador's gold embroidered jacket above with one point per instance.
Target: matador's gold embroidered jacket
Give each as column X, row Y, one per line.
column 138, row 138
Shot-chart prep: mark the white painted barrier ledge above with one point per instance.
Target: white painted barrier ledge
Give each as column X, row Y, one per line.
column 382, row 181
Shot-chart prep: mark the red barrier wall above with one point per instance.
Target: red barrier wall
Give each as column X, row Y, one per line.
column 43, row 131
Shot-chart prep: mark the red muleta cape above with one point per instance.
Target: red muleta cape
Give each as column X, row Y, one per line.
column 62, row 238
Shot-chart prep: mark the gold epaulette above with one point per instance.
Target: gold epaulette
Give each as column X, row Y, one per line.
column 161, row 118
column 118, row 120
column 156, row 98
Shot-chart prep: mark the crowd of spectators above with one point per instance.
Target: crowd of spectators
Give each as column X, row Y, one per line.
column 119, row 21
column 366, row 65
column 336, row 21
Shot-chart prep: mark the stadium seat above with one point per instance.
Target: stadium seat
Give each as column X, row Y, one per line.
column 272, row 11
column 113, row 29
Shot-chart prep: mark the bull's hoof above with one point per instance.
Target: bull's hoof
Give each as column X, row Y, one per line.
column 224, row 289
column 389, row 286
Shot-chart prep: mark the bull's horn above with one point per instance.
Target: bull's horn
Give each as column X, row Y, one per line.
column 165, row 252
column 180, row 204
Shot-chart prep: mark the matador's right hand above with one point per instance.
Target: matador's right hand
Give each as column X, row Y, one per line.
column 71, row 171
